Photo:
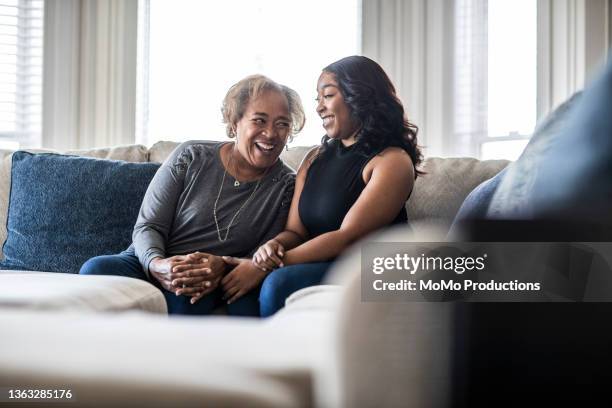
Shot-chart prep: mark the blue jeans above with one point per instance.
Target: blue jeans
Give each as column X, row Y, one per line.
column 127, row 264
column 282, row 282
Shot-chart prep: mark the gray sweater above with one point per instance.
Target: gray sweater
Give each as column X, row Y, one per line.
column 176, row 216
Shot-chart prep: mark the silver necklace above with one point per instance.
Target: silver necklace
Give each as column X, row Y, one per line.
column 227, row 230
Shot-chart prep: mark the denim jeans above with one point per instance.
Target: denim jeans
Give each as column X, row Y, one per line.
column 282, row 282
column 127, row 264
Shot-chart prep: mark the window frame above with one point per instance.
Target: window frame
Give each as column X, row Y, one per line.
column 23, row 135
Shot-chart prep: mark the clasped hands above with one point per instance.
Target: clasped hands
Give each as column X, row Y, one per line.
column 198, row 274
column 269, row 256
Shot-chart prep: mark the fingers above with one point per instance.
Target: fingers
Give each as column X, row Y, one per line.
column 276, row 247
column 272, row 255
column 266, row 265
column 199, row 295
column 204, row 292
column 192, row 290
column 177, row 259
column 199, row 256
column 227, row 279
column 201, row 272
column 237, row 296
column 167, row 286
column 194, row 299
column 194, row 281
column 230, row 260
column 258, row 260
column 188, row 266
column 231, row 293
column 162, row 278
column 270, row 264
column 196, row 259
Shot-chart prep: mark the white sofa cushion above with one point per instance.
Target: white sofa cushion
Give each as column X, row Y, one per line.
column 182, row 361
column 61, row 291
column 324, row 297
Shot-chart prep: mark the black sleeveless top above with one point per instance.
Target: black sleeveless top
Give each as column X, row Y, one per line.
column 333, row 183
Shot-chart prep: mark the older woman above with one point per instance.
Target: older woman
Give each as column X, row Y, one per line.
column 357, row 181
column 211, row 199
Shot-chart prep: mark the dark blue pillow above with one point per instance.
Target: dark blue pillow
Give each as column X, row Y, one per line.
column 513, row 199
column 574, row 180
column 64, row 210
column 476, row 204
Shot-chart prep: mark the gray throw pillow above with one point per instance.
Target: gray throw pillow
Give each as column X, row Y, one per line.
column 64, row 210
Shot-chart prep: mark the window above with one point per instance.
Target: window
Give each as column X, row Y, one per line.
column 495, row 77
column 21, row 54
column 192, row 51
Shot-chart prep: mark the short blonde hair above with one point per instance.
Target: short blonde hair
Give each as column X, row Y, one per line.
column 251, row 87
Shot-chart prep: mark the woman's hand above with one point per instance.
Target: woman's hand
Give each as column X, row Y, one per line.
column 162, row 270
column 269, row 256
column 188, row 274
column 242, row 279
column 199, row 286
column 199, row 269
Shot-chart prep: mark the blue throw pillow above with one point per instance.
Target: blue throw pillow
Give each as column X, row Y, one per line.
column 574, row 179
column 513, row 199
column 64, row 210
column 476, row 204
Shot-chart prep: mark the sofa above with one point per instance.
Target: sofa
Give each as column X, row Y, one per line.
column 110, row 339
column 433, row 204
column 327, row 347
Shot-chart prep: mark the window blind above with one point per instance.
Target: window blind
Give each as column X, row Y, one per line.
column 494, row 77
column 21, row 61
column 470, row 75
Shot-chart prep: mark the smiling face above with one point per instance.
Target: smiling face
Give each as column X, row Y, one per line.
column 262, row 132
column 336, row 114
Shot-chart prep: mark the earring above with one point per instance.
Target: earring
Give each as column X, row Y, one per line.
column 286, row 147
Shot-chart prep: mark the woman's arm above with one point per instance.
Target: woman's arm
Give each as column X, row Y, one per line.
column 270, row 254
column 390, row 178
column 158, row 207
column 295, row 233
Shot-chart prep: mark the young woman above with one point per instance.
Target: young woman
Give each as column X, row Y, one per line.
column 357, row 181
column 210, row 199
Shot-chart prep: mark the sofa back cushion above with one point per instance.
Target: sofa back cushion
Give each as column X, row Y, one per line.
column 438, row 194
column 436, row 197
column 292, row 156
column 64, row 210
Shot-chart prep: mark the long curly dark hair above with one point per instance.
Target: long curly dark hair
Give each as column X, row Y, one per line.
column 372, row 100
